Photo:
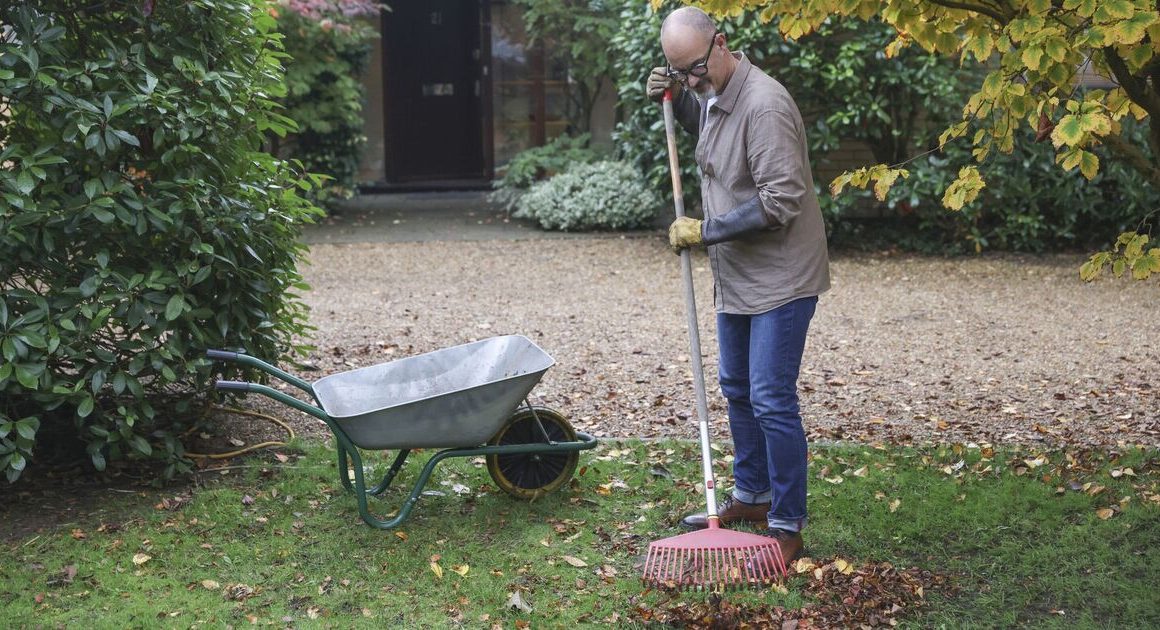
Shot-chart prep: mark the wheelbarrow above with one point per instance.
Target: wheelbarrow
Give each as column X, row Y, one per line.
column 466, row 400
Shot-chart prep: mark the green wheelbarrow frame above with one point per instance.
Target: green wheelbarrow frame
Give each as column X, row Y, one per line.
column 348, row 450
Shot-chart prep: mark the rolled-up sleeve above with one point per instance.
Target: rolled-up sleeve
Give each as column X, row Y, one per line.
column 774, row 152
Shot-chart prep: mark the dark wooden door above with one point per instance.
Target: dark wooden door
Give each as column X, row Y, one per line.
column 433, row 89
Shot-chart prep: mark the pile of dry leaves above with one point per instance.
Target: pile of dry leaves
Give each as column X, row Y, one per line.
column 841, row 596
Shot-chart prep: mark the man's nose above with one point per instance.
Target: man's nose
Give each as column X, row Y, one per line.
column 693, row 81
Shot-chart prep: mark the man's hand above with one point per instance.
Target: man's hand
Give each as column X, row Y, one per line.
column 684, row 232
column 658, row 82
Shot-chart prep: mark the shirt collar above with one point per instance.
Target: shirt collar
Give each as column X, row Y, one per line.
column 727, row 99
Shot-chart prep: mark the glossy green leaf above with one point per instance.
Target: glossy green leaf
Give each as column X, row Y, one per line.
column 175, row 307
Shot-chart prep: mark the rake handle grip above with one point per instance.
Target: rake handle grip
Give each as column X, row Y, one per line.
column 691, row 312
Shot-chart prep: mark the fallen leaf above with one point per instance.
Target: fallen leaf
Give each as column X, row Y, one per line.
column 238, row 592
column 1105, row 513
column 861, row 472
column 802, row 565
column 247, row 500
column 843, row 567
column 437, row 570
column 461, row 569
column 576, row 562
column 210, row 585
column 401, row 535
column 140, row 559
column 894, row 505
column 516, row 600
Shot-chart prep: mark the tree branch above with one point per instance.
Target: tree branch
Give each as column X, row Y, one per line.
column 988, row 11
column 1135, row 87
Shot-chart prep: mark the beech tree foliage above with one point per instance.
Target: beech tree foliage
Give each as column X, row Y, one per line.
column 1035, row 52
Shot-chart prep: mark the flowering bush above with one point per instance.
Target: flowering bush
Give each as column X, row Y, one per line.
column 328, row 44
column 601, row 195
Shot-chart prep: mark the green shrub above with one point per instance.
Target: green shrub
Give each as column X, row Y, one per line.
column 328, row 45
column 140, row 223
column 602, row 195
column 1029, row 204
column 639, row 136
column 538, row 163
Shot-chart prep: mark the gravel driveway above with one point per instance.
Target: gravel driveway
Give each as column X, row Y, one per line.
column 994, row 349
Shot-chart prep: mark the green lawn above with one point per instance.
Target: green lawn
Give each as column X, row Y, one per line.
column 1013, row 539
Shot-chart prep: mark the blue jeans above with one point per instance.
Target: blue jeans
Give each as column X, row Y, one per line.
column 761, row 356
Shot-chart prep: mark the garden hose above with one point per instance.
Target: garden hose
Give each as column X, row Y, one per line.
column 241, row 451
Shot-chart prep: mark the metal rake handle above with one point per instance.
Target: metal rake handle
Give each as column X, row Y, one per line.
column 691, row 311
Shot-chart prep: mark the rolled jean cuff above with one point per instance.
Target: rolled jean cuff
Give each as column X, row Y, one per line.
column 752, row 497
column 792, row 525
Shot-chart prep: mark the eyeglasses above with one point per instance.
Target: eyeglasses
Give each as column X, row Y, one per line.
column 698, row 69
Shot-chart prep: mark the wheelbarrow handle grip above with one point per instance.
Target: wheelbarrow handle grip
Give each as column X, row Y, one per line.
column 239, row 385
column 222, row 355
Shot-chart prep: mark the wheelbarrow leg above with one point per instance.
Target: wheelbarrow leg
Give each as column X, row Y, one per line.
column 416, row 492
column 390, row 476
column 343, row 466
column 400, row 459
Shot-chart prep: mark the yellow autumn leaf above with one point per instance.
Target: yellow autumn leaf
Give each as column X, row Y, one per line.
column 964, row 189
column 896, row 46
column 210, row 585
column 894, row 505
column 1089, row 164
column 461, row 569
column 437, row 570
column 802, row 565
column 843, row 567
column 886, row 180
column 140, row 558
column 401, row 535
column 576, row 562
column 861, row 472
column 1105, row 513
column 839, row 183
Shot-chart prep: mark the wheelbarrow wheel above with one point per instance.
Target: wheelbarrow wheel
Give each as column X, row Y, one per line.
column 528, row 476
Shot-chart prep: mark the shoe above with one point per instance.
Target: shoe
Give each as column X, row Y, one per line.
column 790, row 543
column 731, row 511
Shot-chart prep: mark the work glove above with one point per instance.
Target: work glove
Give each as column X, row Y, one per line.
column 658, row 82
column 684, row 232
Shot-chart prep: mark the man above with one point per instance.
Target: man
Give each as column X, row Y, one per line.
column 767, row 248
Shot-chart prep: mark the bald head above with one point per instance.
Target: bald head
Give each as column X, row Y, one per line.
column 686, row 21
column 693, row 47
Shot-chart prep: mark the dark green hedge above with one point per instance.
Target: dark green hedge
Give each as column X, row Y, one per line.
column 140, row 223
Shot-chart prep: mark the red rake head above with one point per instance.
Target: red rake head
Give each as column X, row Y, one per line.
column 713, row 558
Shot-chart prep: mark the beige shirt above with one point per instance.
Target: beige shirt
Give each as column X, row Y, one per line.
column 752, row 142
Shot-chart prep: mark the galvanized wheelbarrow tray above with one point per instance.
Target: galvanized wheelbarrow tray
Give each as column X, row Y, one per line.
column 465, row 400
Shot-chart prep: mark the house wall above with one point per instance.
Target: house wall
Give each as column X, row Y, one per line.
column 373, row 166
